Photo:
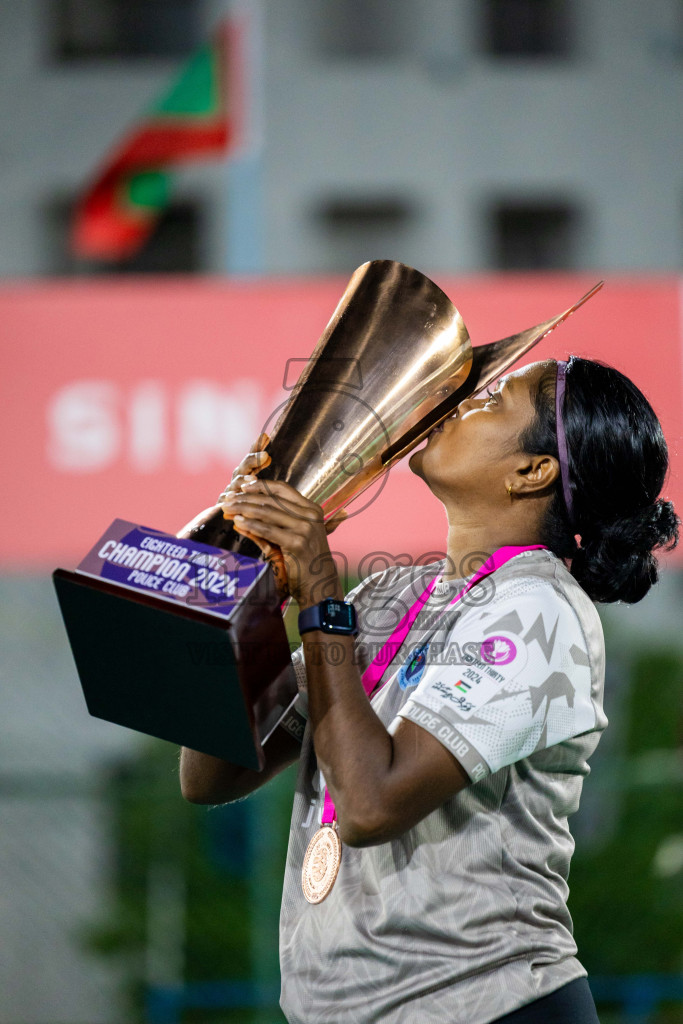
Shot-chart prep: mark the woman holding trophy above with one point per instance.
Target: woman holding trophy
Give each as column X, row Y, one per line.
column 452, row 708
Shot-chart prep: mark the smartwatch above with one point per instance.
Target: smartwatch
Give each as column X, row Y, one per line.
column 330, row 616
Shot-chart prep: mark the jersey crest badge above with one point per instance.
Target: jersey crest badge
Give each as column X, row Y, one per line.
column 411, row 671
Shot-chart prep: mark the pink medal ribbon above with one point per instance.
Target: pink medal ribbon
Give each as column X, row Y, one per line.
column 386, row 654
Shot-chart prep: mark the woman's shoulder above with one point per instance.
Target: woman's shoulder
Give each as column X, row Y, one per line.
column 537, row 589
column 545, row 575
column 543, row 572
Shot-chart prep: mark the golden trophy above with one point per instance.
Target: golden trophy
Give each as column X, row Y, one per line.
column 394, row 361
column 182, row 637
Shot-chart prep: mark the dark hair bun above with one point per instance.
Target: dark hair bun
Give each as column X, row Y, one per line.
column 616, row 561
column 617, row 466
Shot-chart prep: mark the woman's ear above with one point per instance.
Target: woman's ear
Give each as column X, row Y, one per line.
column 538, row 473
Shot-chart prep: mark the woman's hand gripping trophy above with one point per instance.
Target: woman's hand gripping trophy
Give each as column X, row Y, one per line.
column 243, row 481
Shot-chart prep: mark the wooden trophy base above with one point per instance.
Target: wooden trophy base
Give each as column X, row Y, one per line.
column 181, row 673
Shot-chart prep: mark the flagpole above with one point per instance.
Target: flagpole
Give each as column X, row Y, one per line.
column 245, row 245
column 245, row 228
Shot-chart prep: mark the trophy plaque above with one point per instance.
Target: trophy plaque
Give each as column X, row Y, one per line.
column 182, row 637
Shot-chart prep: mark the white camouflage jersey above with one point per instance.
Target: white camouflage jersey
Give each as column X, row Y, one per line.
column 463, row 918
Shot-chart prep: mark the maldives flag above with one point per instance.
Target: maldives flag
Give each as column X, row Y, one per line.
column 194, row 120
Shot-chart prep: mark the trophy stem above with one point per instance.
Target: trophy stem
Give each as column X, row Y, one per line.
column 210, row 527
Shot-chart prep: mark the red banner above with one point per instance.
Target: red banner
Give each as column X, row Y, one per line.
column 135, row 399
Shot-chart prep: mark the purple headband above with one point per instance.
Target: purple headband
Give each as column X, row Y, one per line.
column 562, row 439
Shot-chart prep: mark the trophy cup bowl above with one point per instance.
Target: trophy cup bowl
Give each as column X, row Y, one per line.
column 394, row 361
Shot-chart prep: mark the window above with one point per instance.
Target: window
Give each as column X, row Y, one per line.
column 363, row 28
column 527, row 28
column 360, row 228
column 175, row 246
column 533, row 236
column 91, row 29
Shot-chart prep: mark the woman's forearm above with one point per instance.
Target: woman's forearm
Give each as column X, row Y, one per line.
column 211, row 780
column 381, row 784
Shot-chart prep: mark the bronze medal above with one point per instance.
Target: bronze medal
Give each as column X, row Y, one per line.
column 321, row 864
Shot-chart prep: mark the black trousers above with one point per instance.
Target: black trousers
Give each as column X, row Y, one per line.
column 571, row 1004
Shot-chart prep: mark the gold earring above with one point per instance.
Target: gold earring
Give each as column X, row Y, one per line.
column 509, row 490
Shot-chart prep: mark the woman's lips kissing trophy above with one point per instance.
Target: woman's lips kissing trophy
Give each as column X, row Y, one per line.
column 182, row 637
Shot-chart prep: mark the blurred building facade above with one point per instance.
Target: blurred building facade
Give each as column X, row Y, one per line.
column 477, row 135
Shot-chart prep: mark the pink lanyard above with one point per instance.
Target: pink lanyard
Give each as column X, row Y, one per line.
column 386, row 654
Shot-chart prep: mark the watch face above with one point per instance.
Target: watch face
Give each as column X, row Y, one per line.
column 338, row 616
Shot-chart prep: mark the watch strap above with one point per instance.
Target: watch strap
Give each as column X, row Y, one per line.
column 309, row 619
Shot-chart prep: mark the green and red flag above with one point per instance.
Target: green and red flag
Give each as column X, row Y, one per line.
column 196, row 119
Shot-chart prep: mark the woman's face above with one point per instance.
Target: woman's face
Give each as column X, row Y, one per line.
column 476, row 451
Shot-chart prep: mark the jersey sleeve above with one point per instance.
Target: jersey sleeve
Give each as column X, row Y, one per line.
column 511, row 679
